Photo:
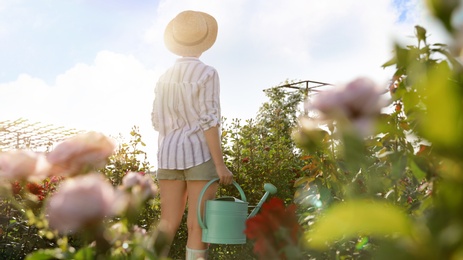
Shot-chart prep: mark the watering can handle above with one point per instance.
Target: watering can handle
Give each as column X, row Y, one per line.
column 200, row 219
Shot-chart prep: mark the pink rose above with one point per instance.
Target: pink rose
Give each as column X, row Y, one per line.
column 80, row 152
column 358, row 102
column 141, row 185
column 131, row 179
column 23, row 165
column 81, row 202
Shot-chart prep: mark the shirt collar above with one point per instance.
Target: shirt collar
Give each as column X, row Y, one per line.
column 184, row 59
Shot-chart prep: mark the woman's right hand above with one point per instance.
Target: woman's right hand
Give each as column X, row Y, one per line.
column 225, row 175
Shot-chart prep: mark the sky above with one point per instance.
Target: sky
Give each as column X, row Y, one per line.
column 93, row 64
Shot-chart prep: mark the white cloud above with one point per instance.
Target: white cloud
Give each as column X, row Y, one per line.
column 110, row 95
column 26, row 97
column 113, row 92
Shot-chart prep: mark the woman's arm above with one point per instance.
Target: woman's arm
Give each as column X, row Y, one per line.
column 215, row 148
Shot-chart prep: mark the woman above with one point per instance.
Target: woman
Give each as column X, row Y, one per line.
column 186, row 113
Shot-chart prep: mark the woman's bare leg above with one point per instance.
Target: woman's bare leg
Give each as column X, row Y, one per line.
column 194, row 229
column 173, row 200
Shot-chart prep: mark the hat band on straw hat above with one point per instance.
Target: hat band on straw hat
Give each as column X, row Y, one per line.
column 191, row 43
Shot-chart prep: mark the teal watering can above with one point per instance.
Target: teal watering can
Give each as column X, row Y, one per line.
column 225, row 218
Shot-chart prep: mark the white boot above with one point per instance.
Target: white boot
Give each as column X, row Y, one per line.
column 195, row 254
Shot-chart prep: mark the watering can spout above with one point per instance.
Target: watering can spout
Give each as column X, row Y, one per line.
column 269, row 189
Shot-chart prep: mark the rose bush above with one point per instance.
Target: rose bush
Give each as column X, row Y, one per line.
column 396, row 192
column 80, row 203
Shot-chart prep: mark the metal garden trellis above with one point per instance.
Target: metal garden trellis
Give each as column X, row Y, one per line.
column 22, row 134
column 308, row 86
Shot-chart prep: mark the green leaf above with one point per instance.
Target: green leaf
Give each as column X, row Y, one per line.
column 84, row 253
column 389, row 63
column 420, row 33
column 362, row 243
column 442, row 124
column 399, row 164
column 45, row 254
column 419, row 174
column 353, row 218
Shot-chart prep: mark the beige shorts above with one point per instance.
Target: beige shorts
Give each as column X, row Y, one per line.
column 203, row 172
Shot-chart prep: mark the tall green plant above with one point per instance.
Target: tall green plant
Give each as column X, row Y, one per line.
column 262, row 150
column 399, row 192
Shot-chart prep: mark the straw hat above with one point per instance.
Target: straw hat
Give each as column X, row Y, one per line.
column 190, row 33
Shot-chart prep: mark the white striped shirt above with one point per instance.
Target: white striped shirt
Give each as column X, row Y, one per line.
column 186, row 103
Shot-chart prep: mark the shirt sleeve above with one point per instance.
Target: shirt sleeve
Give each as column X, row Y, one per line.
column 209, row 101
column 154, row 115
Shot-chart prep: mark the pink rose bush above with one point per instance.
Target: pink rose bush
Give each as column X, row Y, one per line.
column 79, row 202
column 71, row 157
column 62, row 192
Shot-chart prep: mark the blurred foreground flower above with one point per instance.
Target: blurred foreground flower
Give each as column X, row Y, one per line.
column 140, row 185
column 81, row 203
column 136, row 188
column 23, row 165
column 81, row 152
column 357, row 102
column 276, row 230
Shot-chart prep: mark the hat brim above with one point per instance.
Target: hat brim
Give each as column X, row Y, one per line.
column 192, row 50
